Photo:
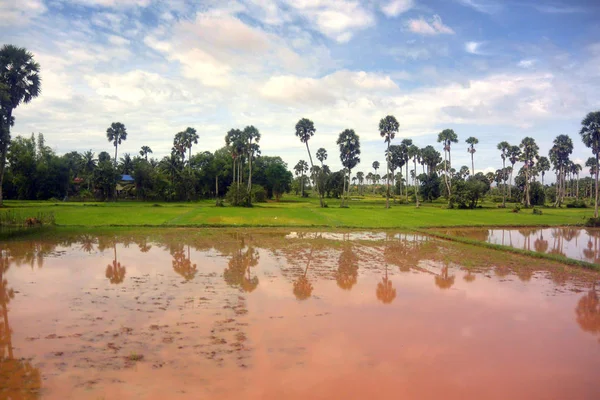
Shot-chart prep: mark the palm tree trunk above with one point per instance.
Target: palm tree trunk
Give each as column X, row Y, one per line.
column 504, row 176
column 387, row 178
column 445, row 176
column 415, row 182
column 249, row 172
column 312, row 168
column 472, row 164
column 596, row 198
column 343, row 191
column 302, row 184
column 406, row 181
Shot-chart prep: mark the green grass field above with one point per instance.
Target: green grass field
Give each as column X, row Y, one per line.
column 292, row 211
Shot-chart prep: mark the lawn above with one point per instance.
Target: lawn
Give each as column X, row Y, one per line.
column 293, row 211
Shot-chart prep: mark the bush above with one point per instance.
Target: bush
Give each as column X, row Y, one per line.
column 259, row 194
column 238, row 196
column 220, row 203
column 577, row 204
column 517, row 209
column 537, row 211
column 593, row 222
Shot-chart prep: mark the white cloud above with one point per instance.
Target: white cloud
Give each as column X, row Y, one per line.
column 473, row 47
column 557, row 9
column 483, row 6
column 118, row 40
column 20, row 12
column 434, row 27
column 527, row 63
column 397, row 7
column 113, row 3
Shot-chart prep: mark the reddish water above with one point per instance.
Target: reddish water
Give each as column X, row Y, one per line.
column 284, row 315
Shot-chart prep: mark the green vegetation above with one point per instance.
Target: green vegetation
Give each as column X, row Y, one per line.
column 364, row 212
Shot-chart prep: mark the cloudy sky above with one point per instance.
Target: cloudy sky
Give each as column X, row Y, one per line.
column 493, row 69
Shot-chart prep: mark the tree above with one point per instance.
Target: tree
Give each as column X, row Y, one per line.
column 116, row 133
column 414, row 153
column 321, row 155
column 301, row 168
column 529, row 153
column 145, row 150
column 375, row 166
column 88, row 166
column 19, row 83
column 349, row 144
column 447, row 137
column 305, row 129
column 504, row 147
column 472, row 141
column 252, row 136
column 543, row 166
column 590, row 135
column 126, row 164
column 559, row 155
column 361, row 178
column 279, row 179
column 514, row 154
column 404, row 146
column 388, row 128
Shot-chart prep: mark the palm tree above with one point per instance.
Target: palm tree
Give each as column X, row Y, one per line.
column 20, row 82
column 126, row 164
column 529, row 152
column 504, row 147
column 414, row 153
column 590, row 135
column 472, row 141
column 559, row 155
column 321, row 155
column 305, row 129
column 543, row 166
column 116, row 133
column 88, row 165
column 592, row 164
column 145, row 150
column 404, row 146
column 514, row 154
column 361, row 178
column 349, row 144
column 388, row 128
column 300, row 169
column 252, row 135
column 375, row 166
column 447, row 137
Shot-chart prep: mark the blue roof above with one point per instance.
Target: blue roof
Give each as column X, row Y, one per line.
column 127, row 178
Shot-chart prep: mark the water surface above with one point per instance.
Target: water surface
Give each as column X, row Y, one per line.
column 187, row 314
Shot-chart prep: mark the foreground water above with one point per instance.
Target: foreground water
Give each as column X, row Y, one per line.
column 295, row 315
column 573, row 242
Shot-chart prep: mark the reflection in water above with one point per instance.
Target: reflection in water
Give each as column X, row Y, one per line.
column 385, row 291
column 80, row 335
column 572, row 242
column 18, row 378
column 347, row 272
column 588, row 312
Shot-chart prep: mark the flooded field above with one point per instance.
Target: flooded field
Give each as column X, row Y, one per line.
column 577, row 243
column 219, row 314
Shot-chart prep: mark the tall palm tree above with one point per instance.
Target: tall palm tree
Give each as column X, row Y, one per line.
column 514, row 154
column 404, row 146
column 305, row 129
column 529, row 153
column 20, row 83
column 590, row 135
column 414, row 153
column 88, row 165
column 472, row 141
column 543, row 166
column 504, row 147
column 349, row 144
column 145, row 150
column 447, row 137
column 375, row 166
column 116, row 134
column 300, row 169
column 126, row 164
column 321, row 155
column 361, row 178
column 252, row 136
column 388, row 128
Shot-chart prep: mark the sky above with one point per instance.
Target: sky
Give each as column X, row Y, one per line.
column 494, row 69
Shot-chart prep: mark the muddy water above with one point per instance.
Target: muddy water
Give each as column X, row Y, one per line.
column 188, row 314
column 577, row 243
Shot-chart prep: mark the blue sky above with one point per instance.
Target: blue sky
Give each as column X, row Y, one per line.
column 496, row 70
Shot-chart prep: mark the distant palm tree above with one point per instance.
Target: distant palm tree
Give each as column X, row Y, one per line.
column 543, row 166
column 252, row 136
column 375, row 166
column 349, row 144
column 19, row 83
column 301, row 168
column 126, row 164
column 504, row 147
column 88, row 165
column 447, row 137
column 472, row 141
column 145, row 151
column 388, row 128
column 529, row 153
column 305, row 129
column 590, row 135
column 321, row 155
column 514, row 154
column 116, row 134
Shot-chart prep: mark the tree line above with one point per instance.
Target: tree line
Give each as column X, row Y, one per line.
column 238, row 172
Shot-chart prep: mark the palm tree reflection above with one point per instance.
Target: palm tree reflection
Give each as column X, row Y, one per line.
column 183, row 265
column 302, row 286
column 385, row 290
column 115, row 272
column 588, row 312
column 444, row 280
column 347, row 272
column 238, row 271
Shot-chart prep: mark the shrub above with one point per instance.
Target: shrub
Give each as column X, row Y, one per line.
column 577, row 204
column 593, row 222
column 517, row 209
column 220, row 203
column 259, row 194
column 537, row 211
column 237, row 196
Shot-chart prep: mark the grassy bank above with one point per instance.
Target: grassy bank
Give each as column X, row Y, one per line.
column 369, row 213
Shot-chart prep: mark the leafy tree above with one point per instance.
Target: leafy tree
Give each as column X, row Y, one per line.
column 321, row 155
column 431, row 158
column 126, row 164
column 590, row 135
column 116, row 134
column 103, row 156
column 279, row 179
column 305, row 129
column 430, row 186
column 388, row 128
column 19, row 83
column 472, row 141
column 349, row 144
column 105, row 179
